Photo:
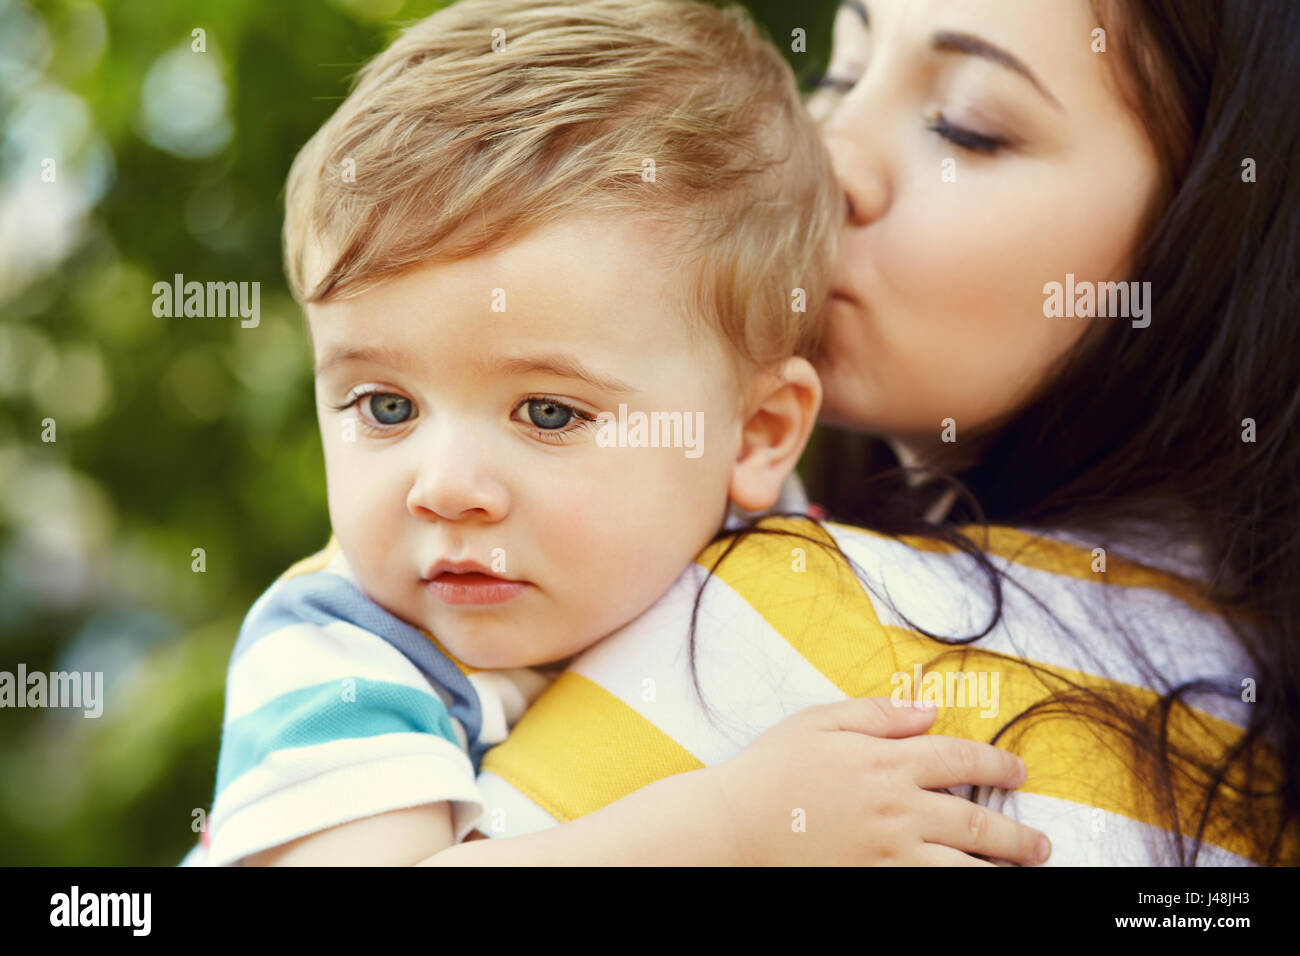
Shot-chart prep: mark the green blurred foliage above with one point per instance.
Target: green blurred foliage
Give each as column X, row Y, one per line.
column 170, row 433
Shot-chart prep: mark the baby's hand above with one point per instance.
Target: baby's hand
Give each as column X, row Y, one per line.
column 835, row 785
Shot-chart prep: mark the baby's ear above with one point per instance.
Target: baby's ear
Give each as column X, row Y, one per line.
column 781, row 412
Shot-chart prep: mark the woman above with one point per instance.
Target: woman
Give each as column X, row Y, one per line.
column 1135, row 587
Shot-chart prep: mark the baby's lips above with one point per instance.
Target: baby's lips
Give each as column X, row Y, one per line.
column 465, row 567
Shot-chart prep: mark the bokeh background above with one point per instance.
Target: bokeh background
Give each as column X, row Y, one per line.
column 170, row 434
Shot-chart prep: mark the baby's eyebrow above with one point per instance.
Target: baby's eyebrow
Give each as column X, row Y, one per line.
column 565, row 366
column 376, row 355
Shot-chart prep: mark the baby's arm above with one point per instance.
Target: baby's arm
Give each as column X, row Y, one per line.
column 396, row 838
column 673, row 821
column 665, row 823
column 855, row 768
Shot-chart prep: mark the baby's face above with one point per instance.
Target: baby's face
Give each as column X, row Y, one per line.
column 469, row 487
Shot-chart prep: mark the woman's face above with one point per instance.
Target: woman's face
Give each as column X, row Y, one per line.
column 986, row 151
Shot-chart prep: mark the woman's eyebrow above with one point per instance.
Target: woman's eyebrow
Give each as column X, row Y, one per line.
column 947, row 41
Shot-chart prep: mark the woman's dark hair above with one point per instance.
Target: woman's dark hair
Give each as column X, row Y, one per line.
column 1140, row 423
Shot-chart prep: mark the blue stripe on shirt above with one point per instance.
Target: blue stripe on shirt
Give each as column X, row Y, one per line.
column 320, row 714
column 322, row 598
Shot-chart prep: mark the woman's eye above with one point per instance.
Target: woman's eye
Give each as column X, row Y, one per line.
column 387, row 408
column 836, row 84
column 548, row 414
column 966, row 138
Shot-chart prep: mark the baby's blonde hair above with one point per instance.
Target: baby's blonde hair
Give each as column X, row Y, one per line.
column 676, row 113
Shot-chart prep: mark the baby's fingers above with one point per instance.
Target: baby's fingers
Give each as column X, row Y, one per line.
column 873, row 716
column 971, row 828
column 934, row 854
column 941, row 762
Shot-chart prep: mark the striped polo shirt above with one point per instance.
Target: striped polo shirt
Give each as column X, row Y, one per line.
column 338, row 710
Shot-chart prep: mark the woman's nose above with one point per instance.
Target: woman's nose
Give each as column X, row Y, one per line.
column 455, row 481
column 860, row 163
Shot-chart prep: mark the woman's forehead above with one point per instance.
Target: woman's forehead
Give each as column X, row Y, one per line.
column 1052, row 46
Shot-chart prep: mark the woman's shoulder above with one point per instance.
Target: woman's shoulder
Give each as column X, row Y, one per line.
column 776, row 548
column 1049, row 598
column 768, row 545
column 1031, row 625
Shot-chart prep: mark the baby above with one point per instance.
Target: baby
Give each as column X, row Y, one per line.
column 563, row 269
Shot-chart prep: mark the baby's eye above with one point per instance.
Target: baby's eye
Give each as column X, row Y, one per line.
column 387, row 408
column 547, row 414
column 552, row 421
column 378, row 412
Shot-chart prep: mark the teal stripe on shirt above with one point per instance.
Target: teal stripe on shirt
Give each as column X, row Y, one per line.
column 320, row 714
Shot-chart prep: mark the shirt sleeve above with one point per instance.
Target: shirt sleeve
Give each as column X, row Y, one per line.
column 325, row 723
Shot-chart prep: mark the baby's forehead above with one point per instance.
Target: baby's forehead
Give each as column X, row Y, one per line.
column 435, row 328
column 590, row 276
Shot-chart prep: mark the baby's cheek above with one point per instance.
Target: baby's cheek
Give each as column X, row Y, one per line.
column 344, row 477
column 610, row 537
column 586, row 530
column 365, row 531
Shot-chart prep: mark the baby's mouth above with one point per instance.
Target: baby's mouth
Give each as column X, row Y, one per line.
column 470, row 585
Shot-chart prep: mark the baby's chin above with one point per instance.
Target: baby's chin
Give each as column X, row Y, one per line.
column 536, row 629
column 485, row 653
column 497, row 641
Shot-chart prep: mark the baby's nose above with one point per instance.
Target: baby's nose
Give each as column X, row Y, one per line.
column 458, row 482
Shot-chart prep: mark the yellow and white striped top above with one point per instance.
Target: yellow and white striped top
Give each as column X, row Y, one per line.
column 785, row 624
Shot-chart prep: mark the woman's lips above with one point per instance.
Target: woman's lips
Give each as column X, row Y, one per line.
column 472, row 588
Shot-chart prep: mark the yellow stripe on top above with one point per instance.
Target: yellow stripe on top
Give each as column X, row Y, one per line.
column 580, row 747
column 1040, row 553
column 314, row 562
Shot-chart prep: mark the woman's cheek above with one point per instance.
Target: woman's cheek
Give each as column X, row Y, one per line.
column 964, row 265
column 959, row 324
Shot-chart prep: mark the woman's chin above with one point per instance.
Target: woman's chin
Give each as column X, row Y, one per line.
column 846, row 403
